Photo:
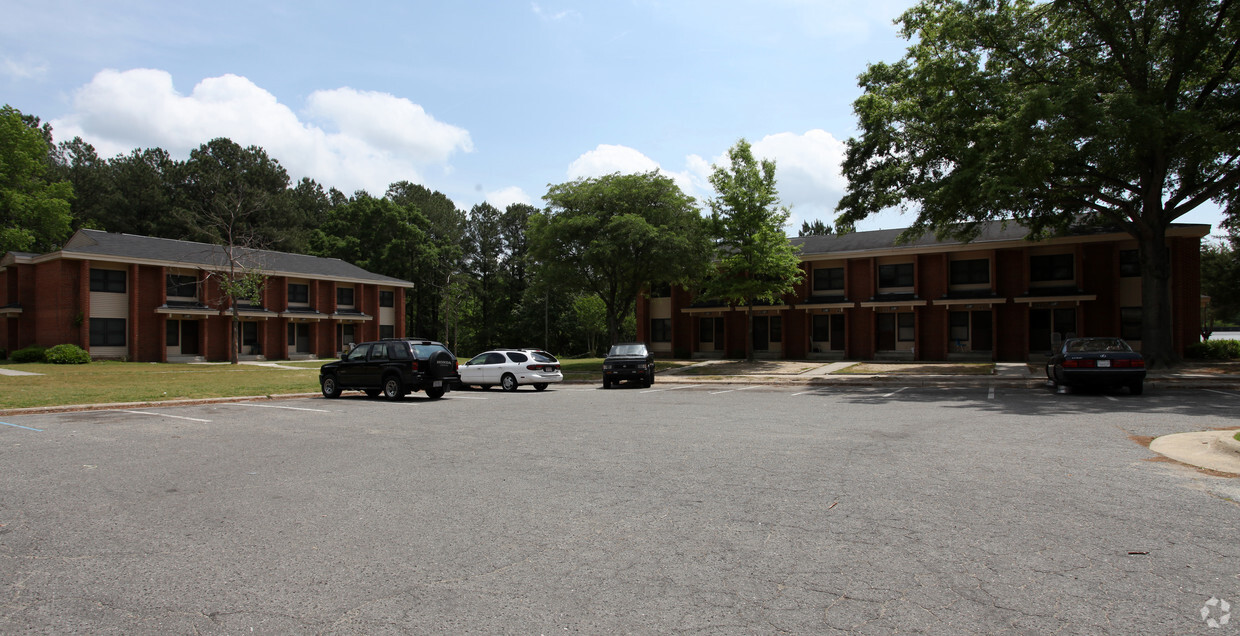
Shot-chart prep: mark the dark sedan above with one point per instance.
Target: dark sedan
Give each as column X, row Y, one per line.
column 1097, row 362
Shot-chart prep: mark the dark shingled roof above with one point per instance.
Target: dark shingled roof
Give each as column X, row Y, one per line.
column 991, row 232
column 130, row 247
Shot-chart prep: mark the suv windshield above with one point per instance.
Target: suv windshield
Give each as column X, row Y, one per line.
column 628, row 350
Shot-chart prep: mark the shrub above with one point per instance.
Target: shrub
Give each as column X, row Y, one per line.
column 33, row 353
column 67, row 354
column 1214, row 350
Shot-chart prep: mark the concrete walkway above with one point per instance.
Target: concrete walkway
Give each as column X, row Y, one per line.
column 1212, row 450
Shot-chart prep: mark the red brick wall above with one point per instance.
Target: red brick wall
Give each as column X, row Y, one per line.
column 931, row 339
column 1011, row 319
column 861, row 282
column 1185, row 291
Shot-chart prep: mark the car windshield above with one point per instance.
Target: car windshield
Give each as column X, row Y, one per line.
column 628, row 350
column 425, row 351
column 1082, row 345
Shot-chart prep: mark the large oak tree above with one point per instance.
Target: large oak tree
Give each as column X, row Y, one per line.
column 1110, row 112
column 617, row 234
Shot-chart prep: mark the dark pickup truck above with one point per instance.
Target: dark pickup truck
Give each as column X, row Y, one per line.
column 394, row 368
column 628, row 361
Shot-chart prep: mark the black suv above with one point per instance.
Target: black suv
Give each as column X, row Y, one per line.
column 628, row 361
column 393, row 368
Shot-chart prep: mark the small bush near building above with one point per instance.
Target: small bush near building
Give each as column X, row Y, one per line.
column 67, row 354
column 1214, row 350
column 33, row 353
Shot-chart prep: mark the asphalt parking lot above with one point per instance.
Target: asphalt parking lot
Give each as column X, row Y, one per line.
column 680, row 508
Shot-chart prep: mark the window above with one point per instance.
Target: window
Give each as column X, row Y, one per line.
column 1130, row 323
column 706, row 330
column 387, row 299
column 822, row 328
column 904, row 331
column 359, row 353
column 172, row 331
column 379, row 351
column 387, row 331
column 1051, row 267
column 829, row 279
column 107, row 332
column 959, row 326
column 660, row 329
column 899, row 275
column 107, row 280
column 344, row 296
column 777, row 329
column 1129, row 263
column 249, row 334
column 970, row 272
column 298, row 293
column 182, row 286
column 518, row 357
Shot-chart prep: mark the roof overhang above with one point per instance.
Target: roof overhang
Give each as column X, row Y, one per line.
column 10, row 311
column 825, row 307
column 193, row 313
column 895, row 304
column 969, row 302
column 709, row 311
column 303, row 316
column 1051, row 301
column 348, row 317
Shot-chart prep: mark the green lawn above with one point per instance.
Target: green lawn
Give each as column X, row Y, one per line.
column 103, row 382
column 591, row 369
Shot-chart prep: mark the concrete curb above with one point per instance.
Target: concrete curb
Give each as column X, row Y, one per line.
column 1211, row 450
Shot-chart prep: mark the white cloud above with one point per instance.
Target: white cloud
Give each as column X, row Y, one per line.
column 608, row 159
column 350, row 140
column 26, row 68
column 505, row 197
column 552, row 16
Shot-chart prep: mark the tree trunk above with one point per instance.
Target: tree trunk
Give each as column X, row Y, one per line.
column 1157, row 344
column 234, row 335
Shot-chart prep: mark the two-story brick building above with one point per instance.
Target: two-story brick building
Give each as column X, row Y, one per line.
column 159, row 300
column 999, row 297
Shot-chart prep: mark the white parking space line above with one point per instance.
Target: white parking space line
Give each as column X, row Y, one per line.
column 468, row 397
column 673, row 388
column 731, row 390
column 991, row 395
column 1223, row 392
column 272, row 406
column 175, row 417
column 895, row 392
column 1111, row 398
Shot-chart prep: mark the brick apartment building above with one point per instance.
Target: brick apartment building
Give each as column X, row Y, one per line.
column 999, row 297
column 158, row 300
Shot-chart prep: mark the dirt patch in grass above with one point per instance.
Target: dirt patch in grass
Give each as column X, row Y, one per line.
column 744, row 367
column 913, row 368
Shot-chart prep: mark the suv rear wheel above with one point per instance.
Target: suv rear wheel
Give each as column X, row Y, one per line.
column 435, row 392
column 393, row 389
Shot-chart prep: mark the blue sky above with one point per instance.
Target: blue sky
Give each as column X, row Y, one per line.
column 480, row 100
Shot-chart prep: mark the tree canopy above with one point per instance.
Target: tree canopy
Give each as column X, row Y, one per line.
column 756, row 263
column 1124, row 114
column 34, row 210
column 617, row 234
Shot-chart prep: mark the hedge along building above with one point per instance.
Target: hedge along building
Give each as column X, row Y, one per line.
column 160, row 300
column 1000, row 297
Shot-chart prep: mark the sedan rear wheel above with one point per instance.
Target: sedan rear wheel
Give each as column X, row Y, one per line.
column 540, row 386
column 508, row 382
column 1136, row 388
